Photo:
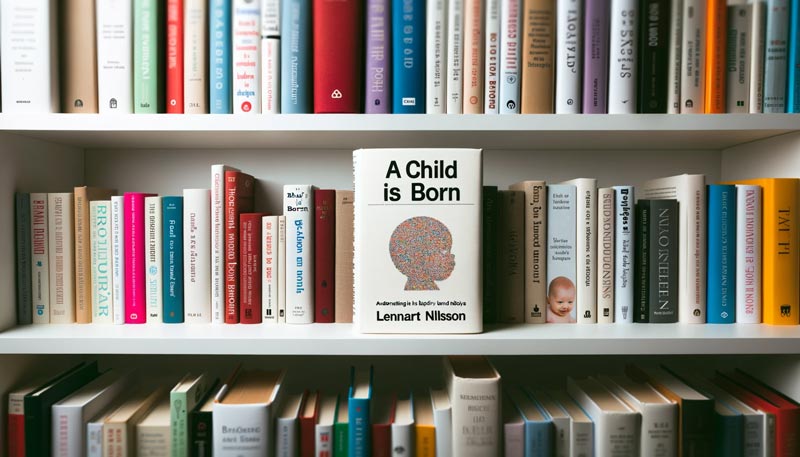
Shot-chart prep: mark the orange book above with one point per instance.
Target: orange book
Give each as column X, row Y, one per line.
column 473, row 57
column 716, row 39
column 538, row 71
column 424, row 428
column 780, row 260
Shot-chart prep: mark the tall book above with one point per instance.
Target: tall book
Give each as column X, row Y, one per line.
column 270, row 57
column 172, row 259
column 586, row 249
column 595, row 57
column 474, row 388
column 269, row 269
column 776, row 56
column 737, row 83
column 758, row 46
column 569, row 53
column 622, row 49
column 535, row 250
column 655, row 286
column 175, row 55
column 443, row 421
column 340, row 429
column 382, row 417
column 218, row 200
column 422, row 209
column 408, row 56
column 250, row 276
column 581, row 426
column 343, row 257
column 40, row 255
column 324, row 428
column 324, row 254
column 510, row 63
column 22, row 252
column 102, row 267
column 359, row 397
column 561, row 255
column 716, row 52
column 436, row 57
column 624, row 227
column 154, row 284
column 748, row 253
column 675, row 55
column 148, row 82
column 538, row 48
column 239, row 198
column 195, row 63
column 297, row 207
column 308, row 416
column 424, row 425
column 282, row 269
column 118, row 258
column 297, row 56
column 721, row 289
column 153, row 431
column 287, row 425
column 538, row 425
column 246, row 56
column 793, row 63
column 83, row 267
column 653, row 58
column 378, row 56
column 183, row 399
column 491, row 69
column 197, row 255
column 135, row 258
column 693, row 56
column 491, row 241
column 473, row 62
column 616, row 425
column 562, row 422
column 606, row 217
column 61, row 230
column 78, row 57
column 510, row 266
column 455, row 56
column 337, row 36
column 220, row 66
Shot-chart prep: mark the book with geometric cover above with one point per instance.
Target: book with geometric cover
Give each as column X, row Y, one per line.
column 418, row 238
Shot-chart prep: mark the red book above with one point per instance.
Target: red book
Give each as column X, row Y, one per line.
column 324, row 254
column 338, row 30
column 16, row 434
column 133, row 215
column 382, row 425
column 250, row 268
column 175, row 56
column 308, row 425
column 238, row 199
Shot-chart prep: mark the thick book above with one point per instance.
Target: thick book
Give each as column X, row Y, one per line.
column 239, row 198
column 561, row 253
column 717, row 30
column 474, row 386
column 218, row 260
column 338, row 31
column 100, row 241
column 491, row 67
column 119, row 430
column 535, row 249
column 378, row 56
column 359, row 397
column 153, row 431
column 654, row 65
column 118, row 258
column 513, row 429
column 537, row 57
column 408, row 56
column 15, row 421
column 61, row 257
column 114, row 56
column 562, row 422
column 78, row 57
column 748, row 253
column 343, row 257
column 22, row 252
column 172, row 259
column 538, row 425
column 246, row 56
column 220, row 50
column 655, row 286
column 200, row 439
column 675, row 49
column 340, row 429
column 737, row 82
column 135, row 258
column 490, row 238
column 297, row 56
column 776, row 56
column 269, row 269
column 308, row 416
column 324, row 428
column 423, row 206
column 174, row 58
column 250, row 276
column 424, row 425
column 569, row 53
column 195, row 61
column 622, row 50
column 436, row 57
column 758, row 46
column 148, row 53
column 510, row 53
column 617, row 426
column 624, row 227
column 154, row 284
column 403, row 428
column 270, row 57
column 443, row 421
column 693, row 57
column 606, row 218
column 183, row 399
column 83, row 268
column 382, row 416
column 597, row 20
column 197, row 255
column 298, row 209
column 455, row 56
column 581, row 426
column 473, row 56
column 324, row 254
column 287, row 426
column 585, row 249
column 40, row 255
column 510, row 288
column 721, row 289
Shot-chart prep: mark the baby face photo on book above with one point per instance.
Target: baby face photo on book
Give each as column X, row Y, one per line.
column 420, row 250
column 561, row 301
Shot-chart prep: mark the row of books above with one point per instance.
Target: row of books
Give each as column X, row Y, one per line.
column 396, row 56
column 649, row 410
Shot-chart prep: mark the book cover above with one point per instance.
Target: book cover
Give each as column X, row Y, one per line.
column 715, row 54
column 22, row 252
column 561, row 254
column 569, row 50
column 337, row 36
column 175, row 54
column 296, row 57
column 510, row 64
column 606, row 216
column 270, row 57
column 473, row 61
column 343, row 257
column 114, row 56
column 239, row 198
column 474, row 387
column 197, row 255
column 148, row 76
column 172, row 259
column 83, row 268
column 40, row 255
column 359, row 397
column 535, row 250
column 187, row 395
column 100, row 241
column 246, row 56
column 269, row 269
column 595, row 56
column 624, row 250
column 749, row 208
column 693, row 57
column 421, row 209
column 622, row 49
column 491, row 68
column 61, row 230
column 538, row 47
column 455, row 56
column 324, row 252
column 586, row 249
column 195, row 63
column 378, row 56
column 220, row 52
column 675, row 50
column 510, row 257
column 758, row 45
column 491, row 239
column 218, row 260
column 737, row 83
column 154, row 288
column 721, row 289
column 299, row 261
column 118, row 258
column 78, row 57
column 135, row 258
column 653, row 59
column 776, row 56
column 408, row 56
column 250, row 276
column 656, row 266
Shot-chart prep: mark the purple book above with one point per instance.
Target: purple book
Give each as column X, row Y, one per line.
column 595, row 57
column 378, row 79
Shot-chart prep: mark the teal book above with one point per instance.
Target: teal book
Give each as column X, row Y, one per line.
column 538, row 425
column 296, row 57
column 721, row 285
column 793, row 78
column 172, row 259
column 148, row 74
column 359, row 398
column 219, row 57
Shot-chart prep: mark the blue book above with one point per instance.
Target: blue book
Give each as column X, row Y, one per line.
column 296, row 57
column 721, row 289
column 728, row 431
column 219, row 56
column 359, row 399
column 539, row 428
column 793, row 76
column 408, row 56
column 172, row 270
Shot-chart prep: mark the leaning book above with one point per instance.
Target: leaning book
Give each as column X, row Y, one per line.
column 418, row 240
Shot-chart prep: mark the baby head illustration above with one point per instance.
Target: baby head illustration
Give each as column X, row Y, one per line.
column 420, row 249
column 560, row 300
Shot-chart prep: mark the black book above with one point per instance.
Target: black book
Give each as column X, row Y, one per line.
column 200, row 424
column 654, row 65
column 22, row 206
column 656, row 261
column 490, row 211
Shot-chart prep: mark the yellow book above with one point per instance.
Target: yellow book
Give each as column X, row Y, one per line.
column 424, row 428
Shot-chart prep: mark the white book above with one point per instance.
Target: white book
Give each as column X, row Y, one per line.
column 623, row 258
column 616, row 426
column 29, row 56
column 690, row 191
column 154, row 288
column 102, row 264
column 623, row 38
column 749, row 209
column 403, row 442
column 436, row 56
column 442, row 422
column 323, row 431
column 298, row 207
column 61, row 231
column 606, row 216
column 270, row 57
column 758, row 37
column 569, row 46
column 513, row 429
column 455, row 56
column 473, row 385
column 561, row 256
column 491, row 73
column 118, row 259
column 581, row 428
column 287, row 433
column 269, row 268
column 114, row 56
column 281, row 269
column 586, row 248
column 197, row 255
column 218, row 242
column 562, row 422
column 195, row 57
column 94, row 431
column 740, row 18
column 153, row 433
column 246, row 38
column 40, row 266
column 510, row 44
column 675, row 47
column 776, row 56
column 693, row 57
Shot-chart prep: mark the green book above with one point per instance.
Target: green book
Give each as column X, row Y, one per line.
column 489, row 254
column 340, row 430
column 183, row 398
column 147, row 51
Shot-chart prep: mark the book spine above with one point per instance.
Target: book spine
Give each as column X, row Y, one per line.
column 455, row 56
column 358, row 414
column 539, row 438
column 663, row 261
column 200, row 441
column 490, row 236
column 250, row 268
column 475, row 402
column 561, row 254
column 323, row 440
column 172, row 266
column 381, row 440
column 270, row 57
column 537, row 56
column 511, row 273
column 118, row 258
column 16, row 426
column 776, row 56
column 693, row 56
column 738, row 58
column 758, row 46
column 716, row 35
column 219, row 56
column 586, row 250
column 569, row 47
column 654, row 49
column 605, row 255
column 154, row 289
column 324, row 253
column 114, row 56
column 377, row 98
column 23, row 248
column 83, row 267
column 102, row 266
column 402, row 438
column 473, row 62
column 622, row 64
column 269, row 269
column 232, row 212
column 424, row 441
column 146, row 57
column 623, row 248
column 79, row 57
column 408, row 56
column 175, row 56
column 196, row 255
column 296, row 57
column 492, row 58
column 780, row 255
column 40, row 266
column 721, row 297
column 340, row 439
column 282, row 269
column 238, row 426
column 692, row 306
column 288, row 438
column 510, row 30
column 793, row 64
column 299, row 261
column 246, row 56
column 62, row 253
column 343, row 258
column 748, row 254
column 642, row 267
column 674, row 56
column 436, row 55
column 338, row 28
column 195, row 98
column 177, row 421
column 94, row 439
column 595, row 57
column 218, row 242
column 67, row 430
column 114, row 440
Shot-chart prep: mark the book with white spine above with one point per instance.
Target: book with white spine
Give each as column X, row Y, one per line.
column 623, row 257
column 270, row 56
column 61, row 231
column 154, row 282
column 269, row 269
column 114, row 56
column 436, row 57
column 442, row 422
column 298, row 209
column 748, row 253
column 623, row 38
column 287, row 426
column 40, row 253
column 153, row 432
column 561, row 253
column 102, row 264
column 473, row 385
column 323, row 431
column 693, row 56
column 569, row 44
column 118, row 259
column 758, row 37
column 403, row 428
column 94, row 429
column 455, row 56
column 246, row 39
column 586, row 248
column 737, row 86
column 606, row 216
column 581, row 428
column 675, row 46
column 197, row 255
column 195, row 56
column 510, row 54
column 281, row 269
column 776, row 56
column 491, row 73
column 218, row 241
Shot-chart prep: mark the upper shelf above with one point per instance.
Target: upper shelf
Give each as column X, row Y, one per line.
column 352, row 131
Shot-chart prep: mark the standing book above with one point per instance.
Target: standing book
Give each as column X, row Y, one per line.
column 510, row 268
column 624, row 226
column 200, row 424
column 172, row 259
column 408, row 56
column 655, row 285
column 510, row 64
column 22, row 253
column 586, row 249
column 455, row 56
column 324, row 428
column 443, row 421
column 270, row 57
column 675, row 49
column 183, row 399
column 436, row 57
column 595, row 57
column 296, row 57
column 561, row 255
column 269, row 269
column 653, row 58
column 538, row 425
column 78, row 57
column 118, row 258
column 622, row 76
column 174, row 64
column 473, row 62
column 693, row 57
column 40, row 264
column 793, row 64
column 61, row 257
column 83, row 265
column 491, row 240
column 616, row 425
column 382, row 417
column 721, row 289
column 324, row 252
column 343, row 258
column 153, row 431
column 250, row 275
column 717, row 32
column 378, row 56
column 308, row 416
column 569, row 50
column 737, row 83
column 197, row 255
column 535, row 250
column 135, row 258
column 748, row 253
column 154, row 284
column 100, row 236
column 403, row 428
column 246, row 56
column 606, row 217
column 757, row 52
column 359, row 397
column 474, row 388
column 239, row 198
column 337, row 36
column 219, row 57
column 148, row 82
column 538, row 48
column 115, row 56
column 195, row 63
column 340, row 429
column 218, row 260
column 776, row 56
column 298, row 209
column 491, row 96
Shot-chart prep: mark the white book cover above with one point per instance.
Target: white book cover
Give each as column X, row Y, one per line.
column 61, row 231
column 586, row 248
column 510, row 44
column 270, row 57
column 246, row 37
column 154, row 288
column 606, row 216
column 102, row 264
column 403, row 443
column 740, row 18
column 569, row 47
column 473, row 385
column 269, row 269
column 287, row 433
column 281, row 269
column 693, row 57
column 29, row 56
column 690, row 191
column 418, row 238
column 623, row 258
column 561, row 253
column 623, row 38
column 675, row 47
column 455, row 56
column 442, row 423
column 195, row 57
column 758, row 43
column 197, row 255
column 491, row 73
column 436, row 56
column 298, row 208
column 323, row 431
column 218, row 241
column 118, row 259
column 581, row 428
column 114, row 56
column 749, row 209
column 40, row 266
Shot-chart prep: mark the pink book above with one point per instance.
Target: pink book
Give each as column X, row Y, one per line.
column 135, row 304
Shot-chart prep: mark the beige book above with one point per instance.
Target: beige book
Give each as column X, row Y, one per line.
column 78, row 57
column 535, row 249
column 153, row 437
column 538, row 72
column 60, row 220
column 119, row 431
column 511, row 257
column 473, row 58
column 83, row 253
column 474, row 388
column 343, row 276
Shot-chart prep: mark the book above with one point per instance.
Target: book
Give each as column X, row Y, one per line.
column 218, row 244
column 184, row 397
column 617, row 427
column 443, row 422
column 538, row 425
column 757, row 53
column 606, row 216
column 382, row 417
column 403, row 426
column 586, row 249
column 561, row 253
column 491, row 68
column 595, row 57
column 538, row 47
column 717, row 31
column 359, row 397
column 197, row 255
column 148, row 80
column 654, row 66
column 675, row 55
column 246, row 56
column 377, row 53
column 40, row 264
column 569, row 50
column 23, row 247
column 195, row 60
column 337, row 36
column 455, row 56
column 102, row 268
column 436, row 57
column 94, row 429
column 776, row 56
column 561, row 439
column 737, row 82
column 119, row 430
column 78, row 57
column 721, row 289
column 414, row 201
column 250, row 275
column 135, row 257
column 474, row 388
column 343, row 257
column 239, row 198
column 299, row 261
column 473, row 56
column 510, row 271
column 324, row 254
column 270, row 57
column 513, row 429
column 624, row 227
column 323, row 429
column 172, row 259
column 340, row 429
column 118, row 258
column 622, row 49
column 693, row 62
column 296, row 56
column 535, row 249
column 748, row 253
column 491, row 241
column 200, row 424
column 153, row 431
column 510, row 63
column 269, row 269
column 219, row 57
column 424, row 425
column 287, row 427
column 154, row 288
column 655, row 286
column 175, row 56
column 581, row 426
column 61, row 230
column 83, row 196
column 793, row 61
column 408, row 56
column 282, row 269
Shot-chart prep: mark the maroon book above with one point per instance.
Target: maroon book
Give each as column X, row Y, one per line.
column 384, row 407
column 308, row 424
column 250, row 268
column 337, row 35
column 324, row 253
column 238, row 199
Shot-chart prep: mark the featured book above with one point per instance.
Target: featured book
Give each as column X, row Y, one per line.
column 246, row 56
column 298, row 209
column 337, row 37
column 408, row 56
column 561, row 254
column 721, row 284
column 655, row 286
column 474, row 388
column 424, row 207
column 538, row 61
column 296, row 57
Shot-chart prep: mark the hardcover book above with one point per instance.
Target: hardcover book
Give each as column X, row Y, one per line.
column 200, row 425
column 174, row 63
column 239, row 198
column 324, row 252
column 474, row 388
column 340, row 429
column 270, row 57
column 172, row 259
column 118, row 258
column 219, row 56
column 308, row 416
column 623, row 248
column 538, row 47
column 424, row 425
column 359, row 397
column 473, row 62
column 535, row 250
column 83, row 267
column 717, row 32
column 436, row 57
column 296, row 57
column 653, row 59
column 417, row 232
column 22, row 251
column 408, row 56
column 510, row 64
column 793, row 64
column 119, row 430
column 382, row 417
column 250, row 276
column 491, row 67
column 218, row 260
column 693, row 74
column 616, row 425
column 595, row 57
column 455, row 56
column 337, row 37
column 748, row 253
column 581, row 426
column 287, row 426
column 443, row 421
column 561, row 254
column 737, row 83
column 197, row 255
column 721, row 289
column 758, row 46
column 78, row 57
column 510, row 271
column 15, row 421
column 269, row 269
column 655, row 285
column 195, row 63
column 343, row 258
column 148, row 75
column 622, row 50
column 298, row 209
column 153, row 431
column 246, row 56
column 776, row 56
column 40, row 254
column 675, row 49
column 187, row 394
column 491, row 241
column 154, row 285
column 324, row 428
column 586, row 249
column 606, row 216
column 61, row 257
column 538, row 425
column 135, row 258
column 403, row 428
column 569, row 49
column 378, row 55
column 282, row 269
column 100, row 236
